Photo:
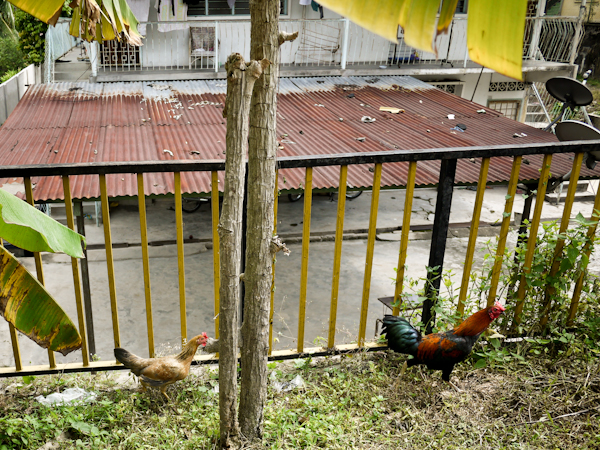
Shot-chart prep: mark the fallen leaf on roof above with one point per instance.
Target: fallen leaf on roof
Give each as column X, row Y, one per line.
column 481, row 111
column 367, row 119
column 360, row 139
column 168, row 151
column 194, row 152
column 391, row 109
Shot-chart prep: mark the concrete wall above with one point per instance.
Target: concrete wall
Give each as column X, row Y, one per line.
column 571, row 8
column 12, row 91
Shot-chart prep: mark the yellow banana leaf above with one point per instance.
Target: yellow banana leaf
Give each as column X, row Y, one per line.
column 27, row 305
column 494, row 29
column 495, row 32
column 446, row 15
column 47, row 11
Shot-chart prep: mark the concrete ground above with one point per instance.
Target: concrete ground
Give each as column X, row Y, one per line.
column 199, row 268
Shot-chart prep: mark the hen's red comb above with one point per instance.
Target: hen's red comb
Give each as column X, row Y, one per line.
column 204, row 334
column 498, row 305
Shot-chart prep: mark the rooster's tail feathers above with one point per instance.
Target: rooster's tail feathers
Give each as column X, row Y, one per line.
column 129, row 360
column 402, row 337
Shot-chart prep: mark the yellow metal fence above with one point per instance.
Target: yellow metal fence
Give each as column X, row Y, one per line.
column 379, row 159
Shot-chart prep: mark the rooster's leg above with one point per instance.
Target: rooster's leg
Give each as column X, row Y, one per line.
column 143, row 386
column 404, row 366
column 162, row 390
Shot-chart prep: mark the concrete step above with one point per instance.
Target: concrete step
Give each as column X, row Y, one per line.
column 83, row 75
column 71, row 66
column 582, row 193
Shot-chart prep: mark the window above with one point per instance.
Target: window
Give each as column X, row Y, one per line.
column 461, row 6
column 221, row 8
column 509, row 108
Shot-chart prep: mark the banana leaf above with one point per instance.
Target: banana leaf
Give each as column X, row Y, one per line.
column 115, row 17
column 26, row 227
column 495, row 30
column 27, row 305
column 47, row 11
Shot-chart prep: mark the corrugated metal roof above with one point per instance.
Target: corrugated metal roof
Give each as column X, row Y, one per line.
column 83, row 122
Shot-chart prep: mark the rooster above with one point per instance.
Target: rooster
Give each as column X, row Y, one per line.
column 438, row 351
column 161, row 372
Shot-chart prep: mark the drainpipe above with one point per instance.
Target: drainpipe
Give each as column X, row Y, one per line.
column 216, row 58
column 537, row 29
column 577, row 38
column 345, row 44
column 94, row 60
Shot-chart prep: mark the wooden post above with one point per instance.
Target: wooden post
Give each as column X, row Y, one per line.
column 240, row 80
column 438, row 240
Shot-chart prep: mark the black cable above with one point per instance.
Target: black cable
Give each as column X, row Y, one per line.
column 477, row 84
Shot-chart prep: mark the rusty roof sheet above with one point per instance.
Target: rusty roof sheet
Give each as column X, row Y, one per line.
column 146, row 121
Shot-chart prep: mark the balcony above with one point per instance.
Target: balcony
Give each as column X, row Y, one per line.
column 329, row 47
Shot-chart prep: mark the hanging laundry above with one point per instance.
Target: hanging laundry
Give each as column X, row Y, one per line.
column 165, row 14
column 316, row 7
column 140, row 9
column 231, row 3
column 305, row 2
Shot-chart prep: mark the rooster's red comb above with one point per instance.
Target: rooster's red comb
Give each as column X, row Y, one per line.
column 498, row 305
column 204, row 334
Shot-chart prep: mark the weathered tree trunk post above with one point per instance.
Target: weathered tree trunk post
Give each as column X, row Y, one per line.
column 265, row 42
column 240, row 80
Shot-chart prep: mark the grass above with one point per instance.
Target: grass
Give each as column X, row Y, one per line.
column 355, row 401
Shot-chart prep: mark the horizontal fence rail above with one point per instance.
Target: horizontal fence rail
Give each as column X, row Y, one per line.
column 179, row 319
column 330, row 43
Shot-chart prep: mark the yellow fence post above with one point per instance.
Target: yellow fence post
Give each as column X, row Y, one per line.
column 535, row 223
column 508, row 206
column 587, row 250
column 75, row 268
column 560, row 242
column 110, row 265
column 408, row 201
column 364, row 309
column 39, row 269
column 14, row 338
column 146, row 263
column 180, row 261
column 337, row 255
column 481, row 185
column 305, row 245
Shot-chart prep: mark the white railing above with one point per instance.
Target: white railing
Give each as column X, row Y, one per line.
column 550, row 38
column 333, row 43
column 58, row 42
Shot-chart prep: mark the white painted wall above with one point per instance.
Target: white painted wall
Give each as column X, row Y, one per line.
column 12, row 90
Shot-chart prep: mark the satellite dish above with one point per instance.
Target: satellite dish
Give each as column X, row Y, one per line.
column 569, row 91
column 571, row 130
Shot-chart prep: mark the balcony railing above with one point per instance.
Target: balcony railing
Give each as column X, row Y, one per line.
column 329, row 43
column 144, row 326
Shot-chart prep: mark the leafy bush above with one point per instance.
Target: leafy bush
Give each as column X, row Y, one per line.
column 32, row 41
column 11, row 58
column 8, row 75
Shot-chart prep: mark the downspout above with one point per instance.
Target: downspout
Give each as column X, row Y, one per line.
column 537, row 29
column 578, row 28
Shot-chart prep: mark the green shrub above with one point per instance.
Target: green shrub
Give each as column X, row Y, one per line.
column 11, row 58
column 32, row 40
column 8, row 75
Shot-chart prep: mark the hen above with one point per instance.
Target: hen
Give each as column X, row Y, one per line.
column 161, row 372
column 438, row 351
